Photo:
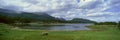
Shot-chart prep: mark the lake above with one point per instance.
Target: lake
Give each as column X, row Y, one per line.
column 57, row 27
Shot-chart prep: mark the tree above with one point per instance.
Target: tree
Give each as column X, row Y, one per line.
column 6, row 20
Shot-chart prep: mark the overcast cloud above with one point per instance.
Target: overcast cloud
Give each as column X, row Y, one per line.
column 97, row 10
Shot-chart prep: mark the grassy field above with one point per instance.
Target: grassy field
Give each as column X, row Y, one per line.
column 99, row 32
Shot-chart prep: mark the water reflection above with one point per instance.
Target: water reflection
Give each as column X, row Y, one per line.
column 58, row 27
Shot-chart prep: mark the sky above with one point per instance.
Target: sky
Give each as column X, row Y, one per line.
column 96, row 10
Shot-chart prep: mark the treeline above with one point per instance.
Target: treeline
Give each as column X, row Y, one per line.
column 109, row 23
column 19, row 19
column 6, row 19
column 106, row 23
column 10, row 20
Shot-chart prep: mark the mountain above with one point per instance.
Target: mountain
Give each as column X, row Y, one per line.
column 62, row 19
column 81, row 20
column 8, row 11
column 41, row 16
column 38, row 16
column 34, row 16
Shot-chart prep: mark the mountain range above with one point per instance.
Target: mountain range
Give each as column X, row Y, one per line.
column 40, row 16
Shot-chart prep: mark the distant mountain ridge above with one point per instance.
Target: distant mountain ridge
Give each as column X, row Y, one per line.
column 81, row 20
column 40, row 16
column 8, row 11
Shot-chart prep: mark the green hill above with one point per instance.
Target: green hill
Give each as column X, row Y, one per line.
column 81, row 20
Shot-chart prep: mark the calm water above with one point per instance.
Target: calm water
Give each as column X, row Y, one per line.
column 58, row 27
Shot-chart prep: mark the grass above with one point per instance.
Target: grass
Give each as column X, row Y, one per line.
column 100, row 32
column 102, row 27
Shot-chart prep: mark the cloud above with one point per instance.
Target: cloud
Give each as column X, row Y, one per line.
column 14, row 4
column 97, row 10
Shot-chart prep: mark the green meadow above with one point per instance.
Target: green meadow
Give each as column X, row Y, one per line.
column 98, row 32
